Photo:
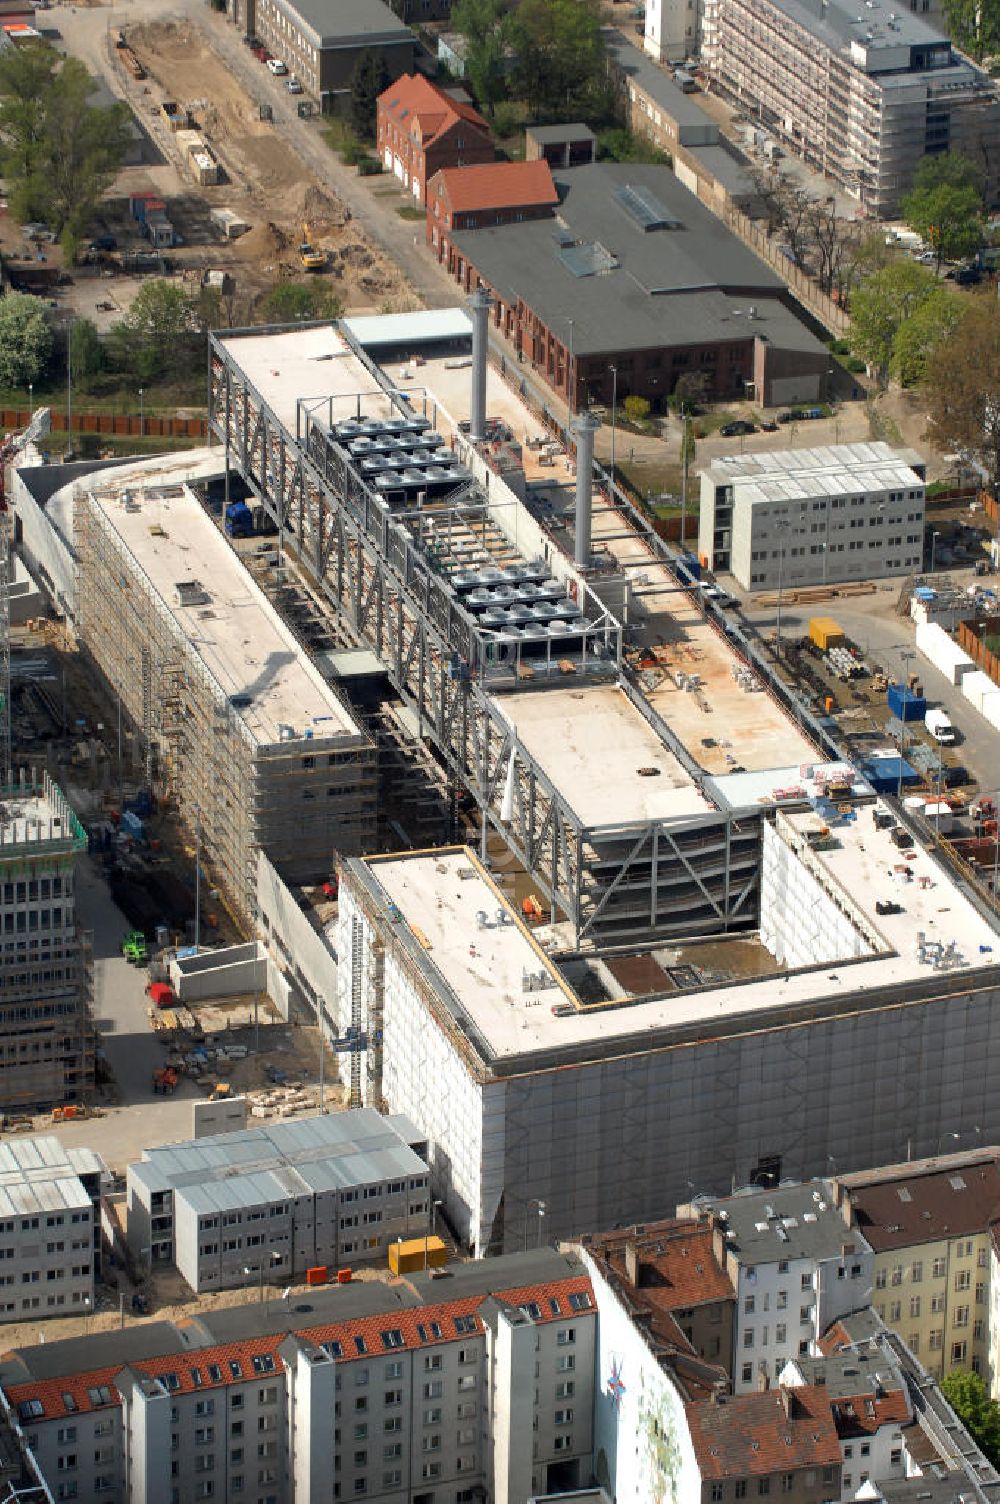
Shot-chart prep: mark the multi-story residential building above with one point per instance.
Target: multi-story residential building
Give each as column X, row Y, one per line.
column 669, row 1271
column 50, row 1228
column 492, row 193
column 867, row 1393
column 272, row 1202
column 929, row 1226
column 321, row 43
column 861, row 93
column 797, row 517
column 46, row 1028
column 781, row 1442
column 477, row 1385
column 421, row 128
column 795, row 1268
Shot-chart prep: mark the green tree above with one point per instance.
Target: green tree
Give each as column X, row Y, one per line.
column 370, row 77
column 86, row 355
column 25, row 340
column 935, row 318
column 490, row 31
column 636, row 409
column 57, row 150
column 156, row 337
column 561, row 55
column 974, row 25
column 969, row 1398
column 297, row 302
column 882, row 304
column 944, row 206
column 962, row 387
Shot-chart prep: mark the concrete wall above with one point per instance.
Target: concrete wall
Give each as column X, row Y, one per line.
column 226, row 1116
column 229, row 972
column 301, row 962
column 47, row 554
column 800, row 923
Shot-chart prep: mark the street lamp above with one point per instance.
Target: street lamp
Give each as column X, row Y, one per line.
column 142, row 421
column 429, row 1233
column 540, row 1208
column 941, row 1139
column 906, row 656
column 614, row 416
column 31, row 399
column 570, row 394
column 781, row 565
column 935, row 535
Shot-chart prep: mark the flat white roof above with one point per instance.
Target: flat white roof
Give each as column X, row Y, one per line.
column 603, row 757
column 375, row 331
column 829, row 470
column 39, row 1175
column 865, row 866
column 231, row 626
column 307, row 363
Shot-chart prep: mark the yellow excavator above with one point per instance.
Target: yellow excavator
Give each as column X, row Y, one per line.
column 312, row 259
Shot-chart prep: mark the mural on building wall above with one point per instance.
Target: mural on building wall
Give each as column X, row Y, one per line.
column 656, row 1426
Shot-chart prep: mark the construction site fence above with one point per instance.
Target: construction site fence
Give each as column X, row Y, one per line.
column 130, row 425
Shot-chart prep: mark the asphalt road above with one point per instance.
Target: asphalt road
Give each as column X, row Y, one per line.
column 86, row 33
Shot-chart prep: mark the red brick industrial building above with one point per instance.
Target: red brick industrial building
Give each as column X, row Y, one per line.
column 421, row 129
column 495, row 193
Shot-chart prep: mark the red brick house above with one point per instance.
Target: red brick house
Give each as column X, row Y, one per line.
column 422, row 129
column 493, row 193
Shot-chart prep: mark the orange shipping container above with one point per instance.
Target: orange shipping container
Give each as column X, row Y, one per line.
column 318, row 1275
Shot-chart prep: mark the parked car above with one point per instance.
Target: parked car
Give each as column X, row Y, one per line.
column 103, row 243
column 968, row 276
column 293, row 86
column 277, row 67
column 769, row 427
column 738, row 426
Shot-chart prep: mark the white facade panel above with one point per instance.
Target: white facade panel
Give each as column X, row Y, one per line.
column 934, row 643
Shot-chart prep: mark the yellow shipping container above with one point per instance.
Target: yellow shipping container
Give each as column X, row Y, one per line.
column 826, row 633
column 411, row 1255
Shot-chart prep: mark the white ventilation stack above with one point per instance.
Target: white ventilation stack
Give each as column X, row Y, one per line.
column 480, row 304
column 584, row 428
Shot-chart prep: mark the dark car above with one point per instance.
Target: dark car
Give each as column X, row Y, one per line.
column 730, row 430
column 968, row 276
column 954, row 778
column 769, row 427
column 103, row 243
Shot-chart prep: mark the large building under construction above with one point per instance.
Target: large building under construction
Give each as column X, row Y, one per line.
column 729, row 971
column 238, row 725
column 46, row 974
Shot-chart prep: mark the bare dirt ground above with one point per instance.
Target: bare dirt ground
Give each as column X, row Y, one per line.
column 267, row 183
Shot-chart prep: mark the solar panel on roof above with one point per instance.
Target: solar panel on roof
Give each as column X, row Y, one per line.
column 643, row 206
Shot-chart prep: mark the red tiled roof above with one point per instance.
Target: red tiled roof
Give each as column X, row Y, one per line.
column 923, row 1207
column 749, row 1434
column 438, row 1322
column 413, row 97
column 496, row 185
column 864, row 1414
column 678, row 1267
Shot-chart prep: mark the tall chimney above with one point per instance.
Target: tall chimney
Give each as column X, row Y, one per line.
column 480, row 304
column 584, row 427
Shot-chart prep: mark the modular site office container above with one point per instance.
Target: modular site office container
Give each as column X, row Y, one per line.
column 934, row 643
column 904, row 704
column 826, row 633
column 976, row 686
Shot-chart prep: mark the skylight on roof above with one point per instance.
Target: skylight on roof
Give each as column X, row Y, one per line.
column 644, row 208
column 957, row 1183
column 904, row 1194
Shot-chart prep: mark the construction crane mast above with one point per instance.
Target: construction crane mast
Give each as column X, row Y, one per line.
column 41, row 422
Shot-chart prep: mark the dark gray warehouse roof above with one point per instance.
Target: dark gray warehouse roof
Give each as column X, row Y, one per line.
column 343, row 23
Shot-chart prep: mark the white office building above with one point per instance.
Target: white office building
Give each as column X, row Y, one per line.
column 266, row 1204
column 795, row 1266
column 792, row 517
column 50, row 1227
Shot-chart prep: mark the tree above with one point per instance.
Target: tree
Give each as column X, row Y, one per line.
column 636, row 409
column 370, row 78
column 488, row 28
column 969, row 1398
column 297, row 302
column 944, row 205
column 86, row 354
column 690, row 391
column 155, row 337
column 882, row 303
column 25, row 340
column 561, row 55
column 949, row 167
column 57, row 151
column 917, row 337
column 973, row 25
column 962, row 387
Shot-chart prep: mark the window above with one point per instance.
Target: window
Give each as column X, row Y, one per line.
column 963, row 1279
column 566, row 1336
column 959, row 1352
column 880, row 1279
column 938, row 1269
column 748, row 1305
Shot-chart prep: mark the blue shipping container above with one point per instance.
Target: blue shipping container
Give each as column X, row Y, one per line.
column 905, row 705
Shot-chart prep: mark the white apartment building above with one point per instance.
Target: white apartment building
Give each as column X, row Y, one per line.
column 265, row 1204
column 46, row 1029
column 870, row 1404
column 672, row 29
column 50, row 1226
column 793, row 517
column 445, row 1390
column 860, row 92
column 795, row 1267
